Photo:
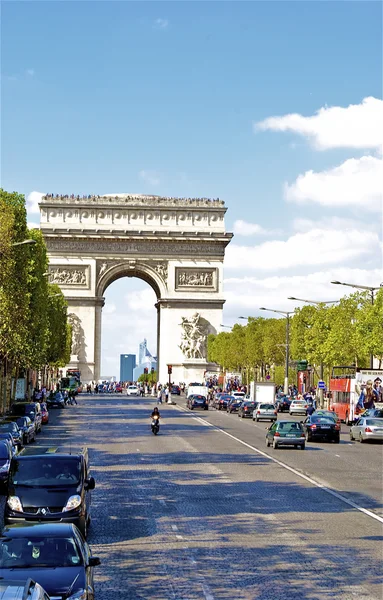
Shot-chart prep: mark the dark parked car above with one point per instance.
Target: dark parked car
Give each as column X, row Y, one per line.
column 196, row 401
column 246, row 409
column 28, row 409
column 50, row 487
column 321, row 428
column 220, row 401
column 56, row 400
column 285, row 433
column 55, row 554
column 8, row 437
column 233, row 404
column 283, row 404
column 176, row 390
column 27, row 428
column 9, row 426
column 6, row 455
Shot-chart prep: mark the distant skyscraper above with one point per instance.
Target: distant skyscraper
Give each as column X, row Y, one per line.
column 143, row 352
column 127, row 364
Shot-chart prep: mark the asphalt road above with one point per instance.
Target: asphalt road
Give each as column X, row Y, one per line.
column 202, row 511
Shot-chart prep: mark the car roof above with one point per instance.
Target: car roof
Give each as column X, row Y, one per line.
column 52, row 456
column 38, row 529
column 286, row 421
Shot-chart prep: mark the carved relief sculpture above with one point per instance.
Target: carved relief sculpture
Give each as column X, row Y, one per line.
column 77, row 334
column 194, row 334
column 195, row 278
column 162, row 270
column 66, row 275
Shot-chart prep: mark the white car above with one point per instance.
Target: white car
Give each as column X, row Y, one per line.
column 132, row 390
column 298, row 407
column 18, row 590
column 239, row 395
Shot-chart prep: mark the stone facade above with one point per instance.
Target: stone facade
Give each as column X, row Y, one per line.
column 176, row 245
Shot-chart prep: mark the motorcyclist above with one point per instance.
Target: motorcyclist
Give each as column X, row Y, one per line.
column 156, row 413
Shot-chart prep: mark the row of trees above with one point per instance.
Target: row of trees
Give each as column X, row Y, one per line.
column 343, row 334
column 34, row 332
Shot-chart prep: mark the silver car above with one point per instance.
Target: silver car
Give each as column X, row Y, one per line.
column 18, row 590
column 264, row 411
column 298, row 407
column 367, row 429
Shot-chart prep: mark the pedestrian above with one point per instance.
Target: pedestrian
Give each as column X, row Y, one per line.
column 159, row 396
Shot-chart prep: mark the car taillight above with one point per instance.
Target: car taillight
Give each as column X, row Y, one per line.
column 275, row 412
column 277, row 434
column 313, row 426
column 245, row 408
column 337, row 426
column 302, row 435
column 258, row 412
column 368, row 430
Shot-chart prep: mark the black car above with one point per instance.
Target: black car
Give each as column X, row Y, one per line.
column 27, row 428
column 50, row 487
column 197, row 401
column 321, row 428
column 55, row 555
column 9, row 426
column 220, row 401
column 283, row 404
column 246, row 409
column 28, row 409
column 56, row 400
column 233, row 404
column 6, row 455
column 176, row 390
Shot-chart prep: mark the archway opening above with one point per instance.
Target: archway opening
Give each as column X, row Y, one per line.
column 129, row 327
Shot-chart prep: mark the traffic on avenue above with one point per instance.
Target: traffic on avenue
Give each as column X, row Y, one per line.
column 221, row 503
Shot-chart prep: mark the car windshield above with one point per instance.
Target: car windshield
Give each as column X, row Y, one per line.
column 322, row 420
column 375, row 422
column 289, row 427
column 43, row 471
column 8, row 427
column 267, row 406
column 29, row 552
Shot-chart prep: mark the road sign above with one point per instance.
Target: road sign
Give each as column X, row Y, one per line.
column 321, row 385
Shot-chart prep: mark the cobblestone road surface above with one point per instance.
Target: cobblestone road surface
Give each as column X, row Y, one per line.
column 193, row 514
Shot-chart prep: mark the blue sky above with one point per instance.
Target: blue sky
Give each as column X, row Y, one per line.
column 162, row 98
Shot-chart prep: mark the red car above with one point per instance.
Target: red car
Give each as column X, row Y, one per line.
column 44, row 413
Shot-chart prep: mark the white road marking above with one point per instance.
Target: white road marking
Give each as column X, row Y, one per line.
column 338, row 455
column 174, row 527
column 179, row 537
column 297, row 473
column 206, row 592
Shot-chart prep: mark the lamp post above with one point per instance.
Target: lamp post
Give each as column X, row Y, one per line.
column 321, row 374
column 371, row 289
column 286, row 314
column 24, row 242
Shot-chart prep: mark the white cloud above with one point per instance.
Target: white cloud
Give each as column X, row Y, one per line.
column 32, row 225
column 32, row 203
column 273, row 292
column 245, row 228
column 356, row 126
column 149, row 177
column 356, row 182
column 334, row 223
column 314, row 247
column 161, row 23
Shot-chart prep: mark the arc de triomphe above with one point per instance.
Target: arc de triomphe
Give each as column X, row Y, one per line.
column 176, row 245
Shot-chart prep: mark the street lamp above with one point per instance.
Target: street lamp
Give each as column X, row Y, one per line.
column 24, row 242
column 286, row 314
column 371, row 289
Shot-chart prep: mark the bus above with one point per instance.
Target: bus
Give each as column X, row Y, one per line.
column 345, row 388
column 72, row 381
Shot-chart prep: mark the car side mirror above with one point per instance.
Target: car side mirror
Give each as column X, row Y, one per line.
column 94, row 561
column 90, row 483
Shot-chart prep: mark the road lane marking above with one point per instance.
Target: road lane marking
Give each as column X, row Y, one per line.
column 179, row 537
column 206, row 592
column 338, row 455
column 297, row 473
column 174, row 527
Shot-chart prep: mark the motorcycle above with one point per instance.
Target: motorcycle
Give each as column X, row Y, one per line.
column 155, row 425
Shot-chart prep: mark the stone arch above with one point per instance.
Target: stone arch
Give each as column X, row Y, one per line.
column 155, row 275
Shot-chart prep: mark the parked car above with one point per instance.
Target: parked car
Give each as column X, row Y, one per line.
column 298, row 407
column 28, row 409
column 233, row 404
column 5, row 435
column 285, row 433
column 264, row 411
column 44, row 413
column 317, row 427
column 56, row 400
column 176, row 390
column 6, row 455
column 246, row 409
column 56, row 554
column 50, row 487
column 132, row 390
column 27, row 428
column 9, row 426
column 367, row 429
column 118, row 389
column 283, row 404
column 22, row 590
column 197, row 401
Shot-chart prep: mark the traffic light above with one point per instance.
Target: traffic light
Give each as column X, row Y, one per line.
column 170, row 369
column 146, row 370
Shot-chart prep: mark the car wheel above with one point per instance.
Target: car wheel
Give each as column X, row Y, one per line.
column 351, row 436
column 302, row 446
column 275, row 445
column 361, row 438
column 291, row 414
column 337, row 440
column 257, row 420
column 243, row 416
column 253, row 419
column 267, row 443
